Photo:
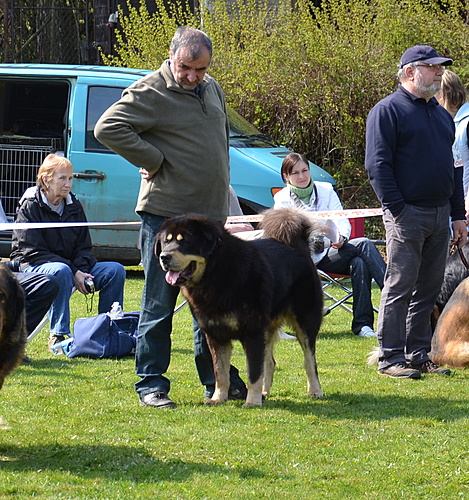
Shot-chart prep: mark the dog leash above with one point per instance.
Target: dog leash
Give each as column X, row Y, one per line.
column 461, row 255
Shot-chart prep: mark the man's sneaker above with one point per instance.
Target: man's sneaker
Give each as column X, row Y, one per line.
column 400, row 370
column 366, row 331
column 238, row 393
column 158, row 399
column 431, row 367
column 55, row 339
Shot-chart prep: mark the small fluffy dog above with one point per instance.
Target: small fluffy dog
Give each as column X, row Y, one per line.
column 12, row 323
column 244, row 290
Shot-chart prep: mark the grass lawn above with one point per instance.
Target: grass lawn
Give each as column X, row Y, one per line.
column 74, row 428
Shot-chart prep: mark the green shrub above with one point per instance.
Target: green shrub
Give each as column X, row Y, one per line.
column 307, row 76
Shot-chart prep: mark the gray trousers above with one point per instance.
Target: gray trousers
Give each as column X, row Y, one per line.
column 416, row 245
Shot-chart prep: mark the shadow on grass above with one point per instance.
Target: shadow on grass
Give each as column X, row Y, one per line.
column 60, row 365
column 338, row 335
column 356, row 406
column 109, row 462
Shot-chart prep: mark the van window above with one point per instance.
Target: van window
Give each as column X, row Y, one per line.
column 99, row 99
column 32, row 108
column 32, row 125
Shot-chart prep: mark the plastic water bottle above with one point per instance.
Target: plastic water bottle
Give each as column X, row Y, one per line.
column 116, row 311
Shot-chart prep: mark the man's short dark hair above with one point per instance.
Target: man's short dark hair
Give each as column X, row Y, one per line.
column 193, row 39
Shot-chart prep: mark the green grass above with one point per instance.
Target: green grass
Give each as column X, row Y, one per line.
column 75, row 428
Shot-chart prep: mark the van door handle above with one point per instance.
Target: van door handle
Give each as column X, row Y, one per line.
column 88, row 176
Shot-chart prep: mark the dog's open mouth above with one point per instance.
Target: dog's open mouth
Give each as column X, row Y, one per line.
column 182, row 276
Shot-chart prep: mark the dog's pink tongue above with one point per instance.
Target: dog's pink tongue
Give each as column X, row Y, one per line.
column 172, row 277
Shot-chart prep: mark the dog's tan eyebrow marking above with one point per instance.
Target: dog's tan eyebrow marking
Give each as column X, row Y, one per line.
column 169, row 237
column 179, row 237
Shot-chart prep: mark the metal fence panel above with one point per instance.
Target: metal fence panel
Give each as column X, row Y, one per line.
column 57, row 35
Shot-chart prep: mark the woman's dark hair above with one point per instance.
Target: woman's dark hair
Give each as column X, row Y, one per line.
column 289, row 162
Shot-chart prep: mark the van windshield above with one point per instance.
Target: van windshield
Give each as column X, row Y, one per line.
column 245, row 135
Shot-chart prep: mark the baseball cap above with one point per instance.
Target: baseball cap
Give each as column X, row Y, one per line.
column 423, row 53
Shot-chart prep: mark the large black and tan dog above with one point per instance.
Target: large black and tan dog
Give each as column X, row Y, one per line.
column 450, row 341
column 12, row 323
column 244, row 290
column 450, row 317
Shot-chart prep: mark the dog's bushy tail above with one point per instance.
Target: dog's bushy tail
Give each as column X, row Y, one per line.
column 287, row 225
column 373, row 356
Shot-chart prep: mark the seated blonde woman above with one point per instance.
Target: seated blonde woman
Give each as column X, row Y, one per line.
column 63, row 252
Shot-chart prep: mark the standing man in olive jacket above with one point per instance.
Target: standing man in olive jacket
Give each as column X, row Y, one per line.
column 173, row 126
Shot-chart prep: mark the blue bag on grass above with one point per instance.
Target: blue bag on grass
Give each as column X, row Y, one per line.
column 103, row 337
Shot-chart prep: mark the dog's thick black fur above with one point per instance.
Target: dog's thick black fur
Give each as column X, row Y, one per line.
column 244, row 290
column 12, row 323
column 455, row 272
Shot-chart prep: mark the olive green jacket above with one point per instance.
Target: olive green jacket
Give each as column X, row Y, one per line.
column 181, row 137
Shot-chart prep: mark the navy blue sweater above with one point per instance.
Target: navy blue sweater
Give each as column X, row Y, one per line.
column 409, row 155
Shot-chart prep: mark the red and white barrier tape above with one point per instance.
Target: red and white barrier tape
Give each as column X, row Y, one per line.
column 353, row 213
column 9, row 226
column 349, row 213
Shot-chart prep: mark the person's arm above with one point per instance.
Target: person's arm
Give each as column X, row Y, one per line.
column 464, row 152
column 121, row 126
column 458, row 218
column 282, row 199
column 342, row 223
column 83, row 258
column 381, row 140
column 235, row 209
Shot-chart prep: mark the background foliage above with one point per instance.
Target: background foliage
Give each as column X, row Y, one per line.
column 307, row 76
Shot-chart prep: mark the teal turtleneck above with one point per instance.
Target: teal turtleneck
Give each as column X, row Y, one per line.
column 304, row 194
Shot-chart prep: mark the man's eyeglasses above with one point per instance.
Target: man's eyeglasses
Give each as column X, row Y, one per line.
column 433, row 67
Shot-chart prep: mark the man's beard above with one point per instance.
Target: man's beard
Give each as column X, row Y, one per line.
column 426, row 91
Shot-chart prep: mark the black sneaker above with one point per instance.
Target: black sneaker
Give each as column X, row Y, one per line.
column 158, row 399
column 238, row 393
column 431, row 367
column 400, row 370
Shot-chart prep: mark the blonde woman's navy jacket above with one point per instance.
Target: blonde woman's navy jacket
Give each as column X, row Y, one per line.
column 69, row 245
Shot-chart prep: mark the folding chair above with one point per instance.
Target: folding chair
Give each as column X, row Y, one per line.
column 337, row 287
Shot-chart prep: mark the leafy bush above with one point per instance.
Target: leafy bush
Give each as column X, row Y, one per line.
column 307, row 76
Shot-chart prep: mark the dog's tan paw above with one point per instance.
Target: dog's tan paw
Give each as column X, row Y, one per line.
column 316, row 395
column 215, row 402
column 252, row 405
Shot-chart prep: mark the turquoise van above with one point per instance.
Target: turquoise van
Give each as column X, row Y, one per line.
column 54, row 108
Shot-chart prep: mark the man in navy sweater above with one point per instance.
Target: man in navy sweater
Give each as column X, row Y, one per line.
column 410, row 166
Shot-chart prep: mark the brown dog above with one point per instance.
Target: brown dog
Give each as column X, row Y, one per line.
column 12, row 323
column 450, row 342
